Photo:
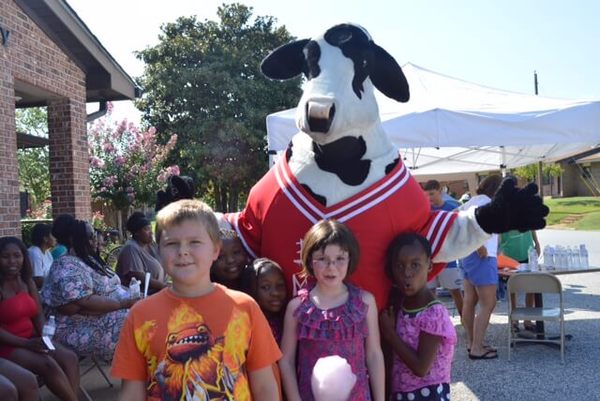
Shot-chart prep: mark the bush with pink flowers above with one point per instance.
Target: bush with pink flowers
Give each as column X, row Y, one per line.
column 127, row 165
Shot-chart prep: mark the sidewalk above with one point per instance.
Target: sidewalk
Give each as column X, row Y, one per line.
column 535, row 372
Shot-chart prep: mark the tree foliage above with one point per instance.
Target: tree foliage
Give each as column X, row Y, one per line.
column 34, row 168
column 203, row 81
column 530, row 171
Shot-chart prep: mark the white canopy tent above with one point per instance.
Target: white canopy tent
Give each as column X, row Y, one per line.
column 452, row 126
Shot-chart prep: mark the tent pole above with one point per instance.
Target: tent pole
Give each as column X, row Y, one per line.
column 503, row 165
column 539, row 179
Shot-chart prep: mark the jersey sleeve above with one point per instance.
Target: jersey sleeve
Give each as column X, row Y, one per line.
column 128, row 361
column 435, row 230
column 263, row 350
column 248, row 226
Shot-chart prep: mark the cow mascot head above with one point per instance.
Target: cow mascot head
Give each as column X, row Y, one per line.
column 337, row 112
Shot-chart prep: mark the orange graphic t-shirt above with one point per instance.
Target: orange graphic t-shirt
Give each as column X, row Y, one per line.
column 195, row 348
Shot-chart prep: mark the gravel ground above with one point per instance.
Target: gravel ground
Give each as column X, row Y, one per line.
column 535, row 372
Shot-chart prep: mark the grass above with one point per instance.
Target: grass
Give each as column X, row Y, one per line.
column 590, row 221
column 587, row 207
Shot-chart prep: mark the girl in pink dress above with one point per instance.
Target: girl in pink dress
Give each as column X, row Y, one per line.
column 331, row 317
column 417, row 327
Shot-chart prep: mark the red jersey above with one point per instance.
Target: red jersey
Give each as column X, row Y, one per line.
column 279, row 212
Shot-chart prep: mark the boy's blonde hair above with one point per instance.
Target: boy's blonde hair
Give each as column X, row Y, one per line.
column 188, row 209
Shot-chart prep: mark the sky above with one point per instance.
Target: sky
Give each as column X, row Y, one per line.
column 494, row 43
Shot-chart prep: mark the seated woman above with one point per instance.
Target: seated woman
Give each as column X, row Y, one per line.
column 39, row 253
column 87, row 298
column 140, row 255
column 21, row 322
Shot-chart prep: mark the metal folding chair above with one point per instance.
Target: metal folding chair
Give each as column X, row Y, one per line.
column 94, row 364
column 537, row 283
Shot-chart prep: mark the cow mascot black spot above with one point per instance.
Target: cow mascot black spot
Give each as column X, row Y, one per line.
column 341, row 165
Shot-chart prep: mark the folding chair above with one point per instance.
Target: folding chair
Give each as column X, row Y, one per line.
column 95, row 364
column 537, row 283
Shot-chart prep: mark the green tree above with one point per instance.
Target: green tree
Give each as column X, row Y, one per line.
column 530, row 171
column 34, row 170
column 203, row 82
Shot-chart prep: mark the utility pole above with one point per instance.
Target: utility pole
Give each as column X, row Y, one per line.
column 535, row 82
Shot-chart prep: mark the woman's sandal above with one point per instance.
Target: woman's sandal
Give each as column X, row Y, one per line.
column 485, row 347
column 486, row 355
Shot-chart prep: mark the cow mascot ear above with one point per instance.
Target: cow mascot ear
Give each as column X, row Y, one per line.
column 178, row 187
column 387, row 76
column 286, row 61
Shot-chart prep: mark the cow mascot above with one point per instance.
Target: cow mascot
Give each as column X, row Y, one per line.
column 342, row 166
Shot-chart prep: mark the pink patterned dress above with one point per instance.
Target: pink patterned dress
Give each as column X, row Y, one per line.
column 435, row 320
column 338, row 331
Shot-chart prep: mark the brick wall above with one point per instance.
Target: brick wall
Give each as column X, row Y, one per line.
column 31, row 58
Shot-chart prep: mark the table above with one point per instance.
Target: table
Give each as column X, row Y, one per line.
column 539, row 302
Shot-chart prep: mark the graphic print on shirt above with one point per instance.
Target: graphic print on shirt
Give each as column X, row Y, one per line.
column 197, row 364
column 298, row 282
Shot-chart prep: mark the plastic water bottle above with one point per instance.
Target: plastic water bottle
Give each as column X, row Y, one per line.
column 576, row 257
column 549, row 257
column 134, row 288
column 558, row 259
column 533, row 259
column 49, row 328
column 583, row 253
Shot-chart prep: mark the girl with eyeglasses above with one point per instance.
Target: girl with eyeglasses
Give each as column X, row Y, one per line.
column 331, row 317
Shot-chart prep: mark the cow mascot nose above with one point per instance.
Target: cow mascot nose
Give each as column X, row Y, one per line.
column 320, row 115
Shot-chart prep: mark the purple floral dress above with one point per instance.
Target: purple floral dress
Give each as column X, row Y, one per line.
column 70, row 279
column 339, row 331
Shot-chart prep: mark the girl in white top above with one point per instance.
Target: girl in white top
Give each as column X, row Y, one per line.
column 39, row 252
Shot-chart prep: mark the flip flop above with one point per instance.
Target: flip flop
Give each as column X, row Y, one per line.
column 487, row 348
column 485, row 355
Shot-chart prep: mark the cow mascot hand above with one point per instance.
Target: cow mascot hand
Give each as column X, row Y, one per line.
column 513, row 208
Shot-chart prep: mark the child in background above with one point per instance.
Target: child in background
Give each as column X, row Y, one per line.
column 21, row 322
column 267, row 286
column 332, row 318
column 196, row 339
column 233, row 259
column 40, row 254
column 419, row 330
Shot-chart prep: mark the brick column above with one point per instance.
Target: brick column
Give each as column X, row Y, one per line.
column 10, row 221
column 69, row 160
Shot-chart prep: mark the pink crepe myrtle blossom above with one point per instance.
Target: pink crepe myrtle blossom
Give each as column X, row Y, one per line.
column 119, row 161
column 133, row 162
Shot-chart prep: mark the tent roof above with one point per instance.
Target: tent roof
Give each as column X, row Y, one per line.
column 451, row 125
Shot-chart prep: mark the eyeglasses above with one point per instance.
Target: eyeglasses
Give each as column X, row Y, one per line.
column 337, row 262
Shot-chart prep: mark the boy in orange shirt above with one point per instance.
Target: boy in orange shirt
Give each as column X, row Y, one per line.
column 198, row 339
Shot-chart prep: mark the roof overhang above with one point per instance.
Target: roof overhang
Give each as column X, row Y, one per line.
column 105, row 78
column 26, row 141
